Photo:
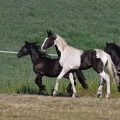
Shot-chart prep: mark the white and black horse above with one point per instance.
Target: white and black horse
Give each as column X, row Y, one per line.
column 72, row 58
column 114, row 51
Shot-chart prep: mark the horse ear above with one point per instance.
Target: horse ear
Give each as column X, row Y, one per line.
column 106, row 43
column 49, row 32
column 26, row 42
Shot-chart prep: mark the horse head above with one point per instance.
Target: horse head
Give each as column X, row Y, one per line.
column 24, row 50
column 108, row 48
column 112, row 48
column 49, row 41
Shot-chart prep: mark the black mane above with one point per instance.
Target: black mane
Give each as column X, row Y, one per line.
column 116, row 48
column 38, row 48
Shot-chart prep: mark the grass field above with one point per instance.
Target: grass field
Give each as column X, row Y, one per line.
column 84, row 24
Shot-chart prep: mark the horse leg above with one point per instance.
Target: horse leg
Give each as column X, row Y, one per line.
column 98, row 66
column 73, row 86
column 40, row 83
column 81, row 78
column 57, row 81
column 37, row 82
column 69, row 90
column 102, row 82
column 119, row 85
column 107, row 79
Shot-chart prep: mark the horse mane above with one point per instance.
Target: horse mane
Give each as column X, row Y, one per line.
column 64, row 44
column 38, row 48
column 116, row 48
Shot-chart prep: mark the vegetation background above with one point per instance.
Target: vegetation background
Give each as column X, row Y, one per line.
column 84, row 24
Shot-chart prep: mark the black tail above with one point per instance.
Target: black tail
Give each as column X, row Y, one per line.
column 81, row 78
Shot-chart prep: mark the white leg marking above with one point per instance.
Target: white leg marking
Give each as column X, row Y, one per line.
column 57, row 81
column 107, row 79
column 100, row 90
column 73, row 86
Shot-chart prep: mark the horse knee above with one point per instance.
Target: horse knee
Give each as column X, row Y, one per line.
column 58, row 79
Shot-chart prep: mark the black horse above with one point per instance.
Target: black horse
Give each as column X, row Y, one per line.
column 114, row 51
column 43, row 65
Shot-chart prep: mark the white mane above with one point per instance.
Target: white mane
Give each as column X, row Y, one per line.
column 62, row 42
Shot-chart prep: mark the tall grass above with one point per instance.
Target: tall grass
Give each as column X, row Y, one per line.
column 84, row 24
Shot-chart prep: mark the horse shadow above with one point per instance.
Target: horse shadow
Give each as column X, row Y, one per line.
column 27, row 89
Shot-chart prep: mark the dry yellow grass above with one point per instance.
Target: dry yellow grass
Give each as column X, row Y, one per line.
column 29, row 107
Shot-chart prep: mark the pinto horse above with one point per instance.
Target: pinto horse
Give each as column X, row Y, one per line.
column 79, row 74
column 43, row 65
column 72, row 58
column 114, row 51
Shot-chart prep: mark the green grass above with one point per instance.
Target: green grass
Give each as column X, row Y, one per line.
column 84, row 24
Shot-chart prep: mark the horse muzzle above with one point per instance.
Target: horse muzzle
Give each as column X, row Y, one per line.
column 18, row 55
column 42, row 49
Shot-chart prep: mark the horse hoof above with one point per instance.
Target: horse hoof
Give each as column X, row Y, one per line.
column 99, row 95
column 45, row 88
column 70, row 91
column 54, row 95
column 108, row 96
column 73, row 96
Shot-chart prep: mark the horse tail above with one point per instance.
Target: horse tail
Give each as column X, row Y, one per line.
column 81, row 78
column 112, row 70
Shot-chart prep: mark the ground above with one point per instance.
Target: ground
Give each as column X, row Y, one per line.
column 36, row 107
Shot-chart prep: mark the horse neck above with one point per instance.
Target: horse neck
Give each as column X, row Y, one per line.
column 61, row 44
column 58, row 52
column 115, row 58
column 34, row 55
